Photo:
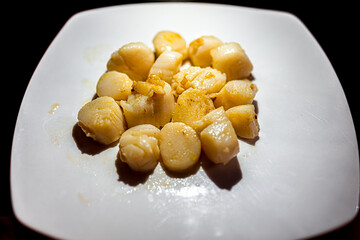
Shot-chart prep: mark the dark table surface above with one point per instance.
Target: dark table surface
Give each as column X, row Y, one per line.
column 30, row 27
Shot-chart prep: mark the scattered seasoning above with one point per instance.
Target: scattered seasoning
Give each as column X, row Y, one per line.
column 54, row 107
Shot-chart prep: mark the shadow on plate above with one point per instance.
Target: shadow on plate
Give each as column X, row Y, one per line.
column 88, row 145
column 251, row 77
column 256, row 105
column 94, row 97
column 128, row 176
column 250, row 141
column 224, row 176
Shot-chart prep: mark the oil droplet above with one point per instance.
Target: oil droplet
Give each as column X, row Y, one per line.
column 89, row 84
column 98, row 53
column 83, row 199
column 54, row 107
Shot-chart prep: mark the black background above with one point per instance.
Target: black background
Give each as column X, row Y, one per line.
column 28, row 29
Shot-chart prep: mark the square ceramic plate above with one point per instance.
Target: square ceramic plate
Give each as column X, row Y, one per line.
column 299, row 179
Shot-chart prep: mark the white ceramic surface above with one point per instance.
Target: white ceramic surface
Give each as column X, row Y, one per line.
column 301, row 177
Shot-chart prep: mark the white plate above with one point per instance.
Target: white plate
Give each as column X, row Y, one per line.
column 299, row 179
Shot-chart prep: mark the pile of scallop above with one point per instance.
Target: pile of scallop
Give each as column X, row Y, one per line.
column 175, row 103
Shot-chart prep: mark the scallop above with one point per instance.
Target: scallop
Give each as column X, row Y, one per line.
column 244, row 120
column 208, row 79
column 199, row 50
column 236, row 92
column 149, row 105
column 218, row 137
column 102, row 120
column 191, row 106
column 114, row 84
column 169, row 41
column 232, row 60
column 167, row 65
column 134, row 59
column 180, row 147
column 139, row 147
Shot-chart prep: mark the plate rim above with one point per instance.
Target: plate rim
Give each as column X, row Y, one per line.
column 83, row 13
